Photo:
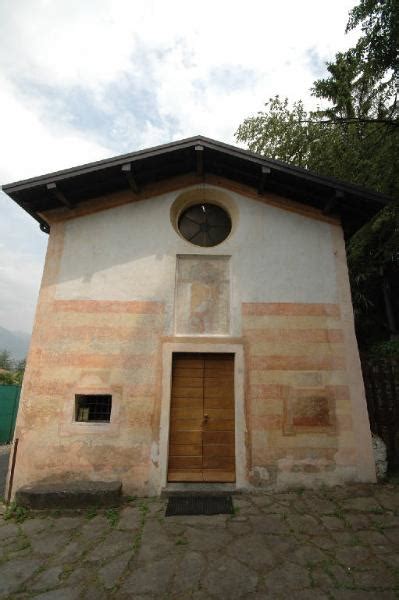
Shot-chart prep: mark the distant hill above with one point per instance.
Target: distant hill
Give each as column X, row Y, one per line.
column 16, row 342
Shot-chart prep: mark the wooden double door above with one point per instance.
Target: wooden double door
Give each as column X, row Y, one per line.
column 201, row 440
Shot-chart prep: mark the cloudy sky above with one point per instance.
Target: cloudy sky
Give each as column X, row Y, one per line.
column 85, row 80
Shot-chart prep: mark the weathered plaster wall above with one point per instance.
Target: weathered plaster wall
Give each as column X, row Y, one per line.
column 106, row 309
column 276, row 256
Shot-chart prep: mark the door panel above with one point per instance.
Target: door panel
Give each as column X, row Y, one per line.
column 218, row 475
column 219, row 450
column 186, row 437
column 186, row 449
column 218, row 437
column 201, row 445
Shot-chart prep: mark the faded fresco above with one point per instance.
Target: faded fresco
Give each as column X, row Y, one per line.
column 309, row 409
column 202, row 303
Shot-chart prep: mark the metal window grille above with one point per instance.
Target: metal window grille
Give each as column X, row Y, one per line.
column 93, row 407
column 205, row 224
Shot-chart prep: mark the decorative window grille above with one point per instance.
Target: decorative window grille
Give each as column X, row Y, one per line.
column 204, row 224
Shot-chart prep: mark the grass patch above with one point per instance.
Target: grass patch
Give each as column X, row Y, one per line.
column 181, row 541
column 16, row 513
column 91, row 512
column 112, row 514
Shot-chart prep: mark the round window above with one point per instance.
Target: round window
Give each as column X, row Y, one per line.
column 204, row 224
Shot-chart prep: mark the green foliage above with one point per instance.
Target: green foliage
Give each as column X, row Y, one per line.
column 362, row 153
column 388, row 349
column 7, row 378
column 379, row 44
column 16, row 513
column 11, row 372
column 112, row 514
column 373, row 261
column 5, row 360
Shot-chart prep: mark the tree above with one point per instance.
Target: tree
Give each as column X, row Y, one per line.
column 379, row 45
column 20, row 371
column 355, row 152
column 373, row 260
column 7, row 378
column 5, row 360
column 353, row 136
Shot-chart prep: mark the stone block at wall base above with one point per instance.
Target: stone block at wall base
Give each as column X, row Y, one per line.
column 77, row 494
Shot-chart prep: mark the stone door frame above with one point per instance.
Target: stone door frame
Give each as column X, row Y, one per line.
column 239, row 404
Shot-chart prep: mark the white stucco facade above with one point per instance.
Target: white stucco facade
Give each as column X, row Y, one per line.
column 129, row 253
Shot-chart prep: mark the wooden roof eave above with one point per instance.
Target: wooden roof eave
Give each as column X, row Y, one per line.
column 41, row 194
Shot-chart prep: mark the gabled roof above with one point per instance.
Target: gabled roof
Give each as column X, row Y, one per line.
column 200, row 155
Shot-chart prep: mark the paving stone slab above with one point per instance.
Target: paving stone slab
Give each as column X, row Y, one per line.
column 8, row 531
column 60, row 594
column 352, row 556
column 363, row 595
column 47, row 579
column 364, row 504
column 32, row 526
column 287, row 578
column 48, row 543
column 333, row 523
column 374, row 578
column 14, row 573
column 305, row 524
column 228, row 578
column 153, row 578
column 207, row 540
column 270, row 524
column 389, row 500
column 110, row 573
column 130, row 519
column 308, row 555
column 254, row 551
column 187, row 579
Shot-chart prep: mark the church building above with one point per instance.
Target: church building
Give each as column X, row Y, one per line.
column 194, row 325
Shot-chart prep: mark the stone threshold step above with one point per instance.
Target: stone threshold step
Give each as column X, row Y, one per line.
column 72, row 494
column 199, row 489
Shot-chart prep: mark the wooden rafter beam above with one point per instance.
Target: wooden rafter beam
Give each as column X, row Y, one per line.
column 333, row 202
column 199, row 152
column 265, row 172
column 127, row 170
column 59, row 195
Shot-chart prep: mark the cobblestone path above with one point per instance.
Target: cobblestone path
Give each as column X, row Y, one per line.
column 333, row 543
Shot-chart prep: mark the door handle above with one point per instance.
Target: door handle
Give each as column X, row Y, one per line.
column 206, row 417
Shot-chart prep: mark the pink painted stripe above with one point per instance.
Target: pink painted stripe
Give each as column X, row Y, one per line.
column 296, row 363
column 295, row 335
column 290, row 309
column 108, row 306
column 100, row 361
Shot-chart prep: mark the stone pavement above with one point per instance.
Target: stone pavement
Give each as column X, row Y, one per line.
column 326, row 544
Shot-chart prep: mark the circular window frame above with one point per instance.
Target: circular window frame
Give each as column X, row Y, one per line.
column 198, row 196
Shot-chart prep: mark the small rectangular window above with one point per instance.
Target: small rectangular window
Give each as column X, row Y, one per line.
column 93, row 408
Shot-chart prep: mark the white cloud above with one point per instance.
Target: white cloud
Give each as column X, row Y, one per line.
column 80, row 81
